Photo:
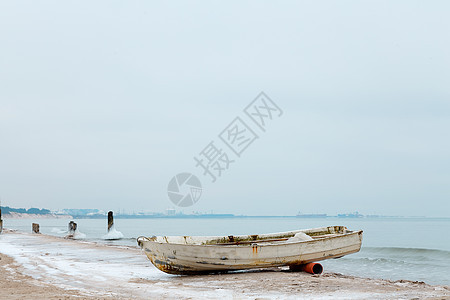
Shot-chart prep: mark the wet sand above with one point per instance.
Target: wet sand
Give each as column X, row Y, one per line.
column 46, row 267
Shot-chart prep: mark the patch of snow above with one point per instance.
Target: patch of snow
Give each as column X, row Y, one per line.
column 79, row 235
column 113, row 234
column 299, row 237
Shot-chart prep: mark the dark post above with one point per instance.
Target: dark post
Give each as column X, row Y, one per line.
column 1, row 221
column 110, row 220
column 35, row 228
column 72, row 227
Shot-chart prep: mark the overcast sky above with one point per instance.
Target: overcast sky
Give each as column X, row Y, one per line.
column 103, row 102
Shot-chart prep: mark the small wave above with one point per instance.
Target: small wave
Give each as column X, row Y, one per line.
column 423, row 252
column 384, row 261
column 57, row 230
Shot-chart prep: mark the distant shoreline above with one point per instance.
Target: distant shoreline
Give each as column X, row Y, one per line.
column 14, row 215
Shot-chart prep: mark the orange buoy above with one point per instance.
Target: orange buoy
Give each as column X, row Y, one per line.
column 313, row 268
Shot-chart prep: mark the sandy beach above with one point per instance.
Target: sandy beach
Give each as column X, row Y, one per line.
column 41, row 266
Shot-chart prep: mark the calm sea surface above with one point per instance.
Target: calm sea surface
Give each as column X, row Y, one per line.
column 393, row 248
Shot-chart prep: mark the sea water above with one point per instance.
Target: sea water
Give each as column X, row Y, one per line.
column 415, row 249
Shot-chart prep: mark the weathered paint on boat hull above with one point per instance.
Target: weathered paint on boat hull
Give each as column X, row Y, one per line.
column 172, row 256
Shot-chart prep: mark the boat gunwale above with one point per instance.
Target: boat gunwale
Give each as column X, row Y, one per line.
column 250, row 245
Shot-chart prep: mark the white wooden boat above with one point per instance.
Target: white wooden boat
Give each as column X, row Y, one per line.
column 197, row 254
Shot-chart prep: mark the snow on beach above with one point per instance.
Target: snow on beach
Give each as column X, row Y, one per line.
column 99, row 270
column 77, row 264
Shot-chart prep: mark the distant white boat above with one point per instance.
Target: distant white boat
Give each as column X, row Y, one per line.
column 197, row 254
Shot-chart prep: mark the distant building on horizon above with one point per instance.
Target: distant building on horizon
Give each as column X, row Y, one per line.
column 171, row 211
column 351, row 215
column 301, row 215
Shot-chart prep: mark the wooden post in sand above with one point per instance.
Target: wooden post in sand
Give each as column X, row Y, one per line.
column 35, row 228
column 72, row 230
column 1, row 221
column 72, row 227
column 110, row 220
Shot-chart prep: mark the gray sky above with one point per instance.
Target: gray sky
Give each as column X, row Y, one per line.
column 102, row 102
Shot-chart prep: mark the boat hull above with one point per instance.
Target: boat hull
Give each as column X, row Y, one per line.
column 172, row 256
